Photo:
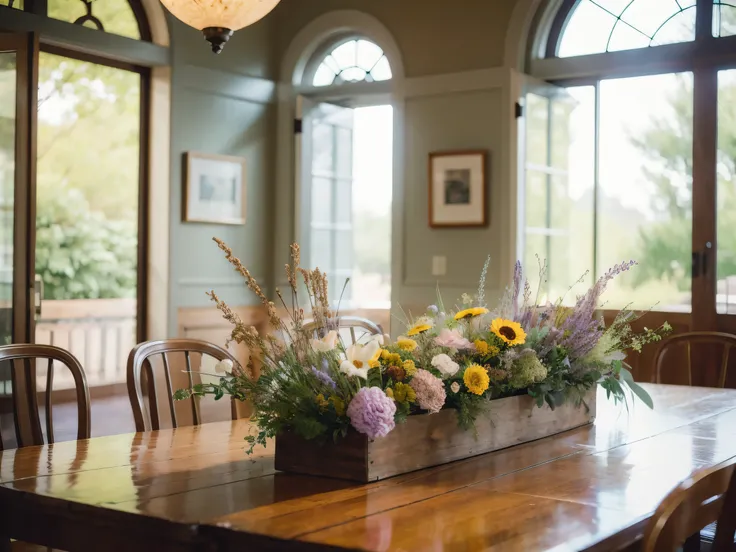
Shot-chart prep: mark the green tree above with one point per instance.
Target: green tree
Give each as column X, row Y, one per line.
column 666, row 245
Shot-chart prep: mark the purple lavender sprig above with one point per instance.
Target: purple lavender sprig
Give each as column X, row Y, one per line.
column 324, row 378
column 581, row 328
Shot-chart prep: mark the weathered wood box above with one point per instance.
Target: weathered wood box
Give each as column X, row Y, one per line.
column 429, row 440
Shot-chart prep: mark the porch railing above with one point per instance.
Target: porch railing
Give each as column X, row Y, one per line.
column 99, row 332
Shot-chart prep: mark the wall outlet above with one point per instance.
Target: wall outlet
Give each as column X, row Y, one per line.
column 439, row 265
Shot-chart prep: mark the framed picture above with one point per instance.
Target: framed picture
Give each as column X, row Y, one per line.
column 457, row 188
column 214, row 188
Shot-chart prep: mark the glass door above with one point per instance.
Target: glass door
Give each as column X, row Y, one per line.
column 18, row 93
column 18, row 90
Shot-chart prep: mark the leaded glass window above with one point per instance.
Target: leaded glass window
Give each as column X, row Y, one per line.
column 597, row 26
column 353, row 61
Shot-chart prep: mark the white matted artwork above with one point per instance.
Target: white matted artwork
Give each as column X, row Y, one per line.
column 214, row 188
column 457, row 188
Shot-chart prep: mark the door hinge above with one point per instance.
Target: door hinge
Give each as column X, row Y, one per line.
column 297, row 126
column 518, row 110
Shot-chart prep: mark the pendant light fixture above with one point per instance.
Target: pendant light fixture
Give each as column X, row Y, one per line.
column 217, row 19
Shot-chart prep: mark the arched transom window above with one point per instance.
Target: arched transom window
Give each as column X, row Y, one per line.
column 584, row 27
column 353, row 61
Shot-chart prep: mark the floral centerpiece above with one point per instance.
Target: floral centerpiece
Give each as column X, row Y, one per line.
column 314, row 385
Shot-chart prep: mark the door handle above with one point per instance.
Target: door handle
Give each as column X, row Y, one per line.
column 37, row 294
column 696, row 264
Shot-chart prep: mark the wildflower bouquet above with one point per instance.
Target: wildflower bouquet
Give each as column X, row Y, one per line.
column 316, row 386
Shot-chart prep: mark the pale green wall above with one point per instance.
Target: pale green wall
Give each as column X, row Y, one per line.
column 436, row 38
column 221, row 104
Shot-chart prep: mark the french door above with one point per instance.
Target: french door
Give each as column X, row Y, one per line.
column 18, row 112
column 639, row 168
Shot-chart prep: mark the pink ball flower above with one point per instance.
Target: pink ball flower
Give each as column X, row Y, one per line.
column 430, row 391
column 371, row 412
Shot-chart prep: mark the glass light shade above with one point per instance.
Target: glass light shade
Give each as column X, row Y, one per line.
column 217, row 19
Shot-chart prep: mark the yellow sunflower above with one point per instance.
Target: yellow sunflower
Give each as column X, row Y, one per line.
column 510, row 332
column 470, row 313
column 476, row 379
column 406, row 344
column 419, row 327
column 481, row 346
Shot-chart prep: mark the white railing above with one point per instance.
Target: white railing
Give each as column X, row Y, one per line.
column 99, row 332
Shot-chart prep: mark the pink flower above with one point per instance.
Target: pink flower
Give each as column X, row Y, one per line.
column 452, row 339
column 371, row 412
column 430, row 391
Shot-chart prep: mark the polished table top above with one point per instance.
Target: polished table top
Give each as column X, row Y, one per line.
column 589, row 488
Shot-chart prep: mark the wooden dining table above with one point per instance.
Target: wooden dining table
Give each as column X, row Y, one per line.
column 194, row 488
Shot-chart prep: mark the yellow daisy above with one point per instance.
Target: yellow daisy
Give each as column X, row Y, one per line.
column 406, row 344
column 470, row 313
column 509, row 331
column 476, row 379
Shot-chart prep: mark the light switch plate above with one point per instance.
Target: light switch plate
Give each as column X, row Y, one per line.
column 439, row 265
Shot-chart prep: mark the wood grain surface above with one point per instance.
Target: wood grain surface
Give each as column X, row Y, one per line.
column 591, row 488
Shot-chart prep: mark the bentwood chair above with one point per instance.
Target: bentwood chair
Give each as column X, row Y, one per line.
column 695, row 503
column 356, row 327
column 22, row 361
column 140, row 362
column 724, row 340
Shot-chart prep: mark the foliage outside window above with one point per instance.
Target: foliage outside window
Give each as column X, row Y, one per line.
column 86, row 242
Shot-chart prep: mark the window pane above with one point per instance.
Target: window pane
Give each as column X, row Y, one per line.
column 597, row 26
column 726, row 193
column 17, row 4
column 321, row 200
column 382, row 70
column 7, row 195
column 724, row 19
column 645, row 194
column 115, row 16
column 87, row 210
column 346, row 54
column 324, row 76
column 368, row 54
column 559, row 193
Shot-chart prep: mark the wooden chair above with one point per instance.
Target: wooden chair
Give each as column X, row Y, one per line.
column 349, row 323
column 139, row 360
column 695, row 503
column 25, row 403
column 695, row 338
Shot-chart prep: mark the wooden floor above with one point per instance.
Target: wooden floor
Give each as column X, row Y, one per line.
column 110, row 415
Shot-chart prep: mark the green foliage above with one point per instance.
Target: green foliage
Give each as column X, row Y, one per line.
column 79, row 253
column 88, row 148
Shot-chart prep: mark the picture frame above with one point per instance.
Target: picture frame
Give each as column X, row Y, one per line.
column 214, row 189
column 457, row 189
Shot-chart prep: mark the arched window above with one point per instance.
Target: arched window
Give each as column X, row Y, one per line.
column 629, row 151
column 353, row 61
column 121, row 17
column 347, row 164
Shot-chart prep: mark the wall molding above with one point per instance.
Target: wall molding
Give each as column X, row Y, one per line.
column 449, row 83
column 205, row 282
column 226, row 84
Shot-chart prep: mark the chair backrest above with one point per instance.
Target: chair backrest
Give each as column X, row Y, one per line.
column 695, row 503
column 726, row 528
column 22, row 360
column 695, row 338
column 349, row 323
column 139, row 360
